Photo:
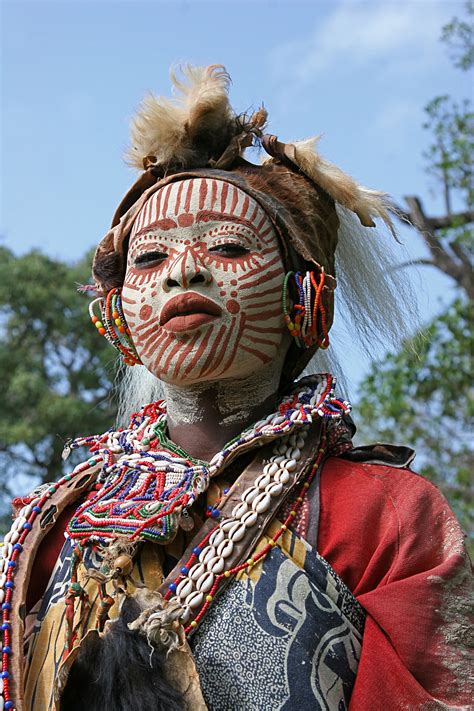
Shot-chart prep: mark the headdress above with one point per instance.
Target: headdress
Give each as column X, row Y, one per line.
column 198, row 134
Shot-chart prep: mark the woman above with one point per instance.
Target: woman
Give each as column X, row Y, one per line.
column 230, row 549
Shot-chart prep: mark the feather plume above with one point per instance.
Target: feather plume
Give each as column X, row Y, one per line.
column 190, row 130
column 365, row 203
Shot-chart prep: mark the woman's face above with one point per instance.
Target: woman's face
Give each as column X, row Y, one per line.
column 202, row 292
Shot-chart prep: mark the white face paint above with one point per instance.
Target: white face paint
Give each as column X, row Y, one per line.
column 202, row 292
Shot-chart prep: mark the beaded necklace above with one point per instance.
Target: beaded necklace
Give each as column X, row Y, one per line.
column 139, row 467
column 148, row 482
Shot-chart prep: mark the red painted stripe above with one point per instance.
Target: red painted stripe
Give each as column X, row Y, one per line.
column 202, row 193
column 255, row 339
column 214, row 187
column 236, row 342
column 262, row 329
column 265, row 314
column 235, row 199
column 266, row 277
column 189, row 194
column 178, row 197
column 166, row 200
column 267, row 292
column 186, row 352
column 225, row 190
column 263, row 357
column 200, row 350
column 212, row 350
column 245, row 206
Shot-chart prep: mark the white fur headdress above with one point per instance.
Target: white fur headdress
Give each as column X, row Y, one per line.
column 198, row 128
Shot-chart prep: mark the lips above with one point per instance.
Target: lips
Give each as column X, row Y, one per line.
column 187, row 311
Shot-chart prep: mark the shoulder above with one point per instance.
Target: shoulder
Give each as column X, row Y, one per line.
column 372, row 516
column 391, row 487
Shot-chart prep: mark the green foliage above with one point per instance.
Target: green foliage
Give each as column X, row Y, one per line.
column 423, row 396
column 459, row 36
column 449, row 158
column 58, row 372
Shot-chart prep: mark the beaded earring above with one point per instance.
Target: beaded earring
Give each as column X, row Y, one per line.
column 113, row 325
column 303, row 308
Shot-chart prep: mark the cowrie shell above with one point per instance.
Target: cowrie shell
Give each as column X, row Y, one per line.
column 225, row 549
column 237, row 532
column 262, row 481
column 26, row 510
column 195, row 599
column 277, row 420
column 270, row 469
column 227, row 524
column 19, row 523
column 261, row 503
column 216, row 565
column 295, row 453
column 283, row 476
column 196, row 571
column 249, row 519
column 279, row 459
column 184, row 588
column 240, row 509
column 289, row 464
column 205, row 582
column 250, row 494
column 207, row 553
column 216, row 537
column 275, row 488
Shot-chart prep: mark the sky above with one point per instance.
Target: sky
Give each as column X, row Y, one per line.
column 73, row 71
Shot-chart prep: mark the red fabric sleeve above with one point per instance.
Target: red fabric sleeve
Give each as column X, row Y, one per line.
column 393, row 539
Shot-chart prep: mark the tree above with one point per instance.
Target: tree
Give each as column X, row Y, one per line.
column 424, row 393
column 58, row 372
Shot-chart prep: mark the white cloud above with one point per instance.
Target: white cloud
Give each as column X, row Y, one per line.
column 362, row 34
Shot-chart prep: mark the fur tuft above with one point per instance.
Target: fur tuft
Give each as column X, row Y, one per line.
column 188, row 131
column 366, row 204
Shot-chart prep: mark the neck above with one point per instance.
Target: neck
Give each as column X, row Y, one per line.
column 203, row 417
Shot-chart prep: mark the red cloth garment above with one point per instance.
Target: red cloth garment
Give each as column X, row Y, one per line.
column 395, row 542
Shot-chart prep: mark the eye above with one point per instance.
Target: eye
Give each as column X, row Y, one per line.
column 148, row 258
column 229, row 250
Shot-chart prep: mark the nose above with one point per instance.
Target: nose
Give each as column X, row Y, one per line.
column 185, row 270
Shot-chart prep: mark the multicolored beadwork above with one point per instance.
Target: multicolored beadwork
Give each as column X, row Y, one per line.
column 303, row 309
column 148, row 482
column 114, row 326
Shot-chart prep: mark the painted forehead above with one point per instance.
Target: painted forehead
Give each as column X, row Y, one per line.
column 199, row 201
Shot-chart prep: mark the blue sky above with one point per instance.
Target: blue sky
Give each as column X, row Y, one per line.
column 74, row 71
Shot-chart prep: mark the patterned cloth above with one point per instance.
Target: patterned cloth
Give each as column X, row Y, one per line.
column 287, row 635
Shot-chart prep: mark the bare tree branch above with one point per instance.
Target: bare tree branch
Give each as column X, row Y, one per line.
column 460, row 271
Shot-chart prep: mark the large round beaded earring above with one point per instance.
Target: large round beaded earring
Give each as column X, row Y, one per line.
column 303, row 308
column 113, row 326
